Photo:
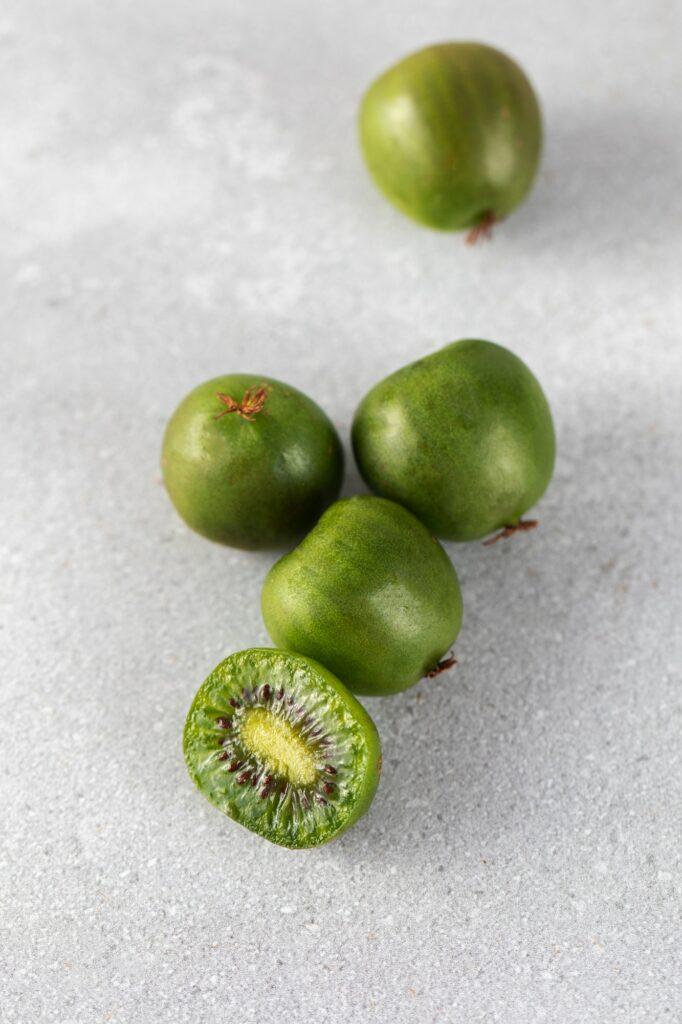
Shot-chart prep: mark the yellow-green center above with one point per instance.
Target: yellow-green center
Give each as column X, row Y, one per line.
column 276, row 744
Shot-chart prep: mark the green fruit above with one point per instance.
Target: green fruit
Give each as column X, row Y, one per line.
column 369, row 593
column 452, row 135
column 464, row 438
column 250, row 462
column 276, row 742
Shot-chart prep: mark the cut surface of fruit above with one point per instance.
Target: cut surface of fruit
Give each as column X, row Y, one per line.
column 276, row 742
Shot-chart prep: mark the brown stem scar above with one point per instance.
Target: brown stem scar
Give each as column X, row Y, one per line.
column 443, row 665
column 482, row 230
column 252, row 403
column 522, row 526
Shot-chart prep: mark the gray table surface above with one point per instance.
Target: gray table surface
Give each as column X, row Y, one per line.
column 182, row 195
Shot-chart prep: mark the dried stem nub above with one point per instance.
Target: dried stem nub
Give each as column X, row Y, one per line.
column 482, row 230
column 443, row 665
column 522, row 526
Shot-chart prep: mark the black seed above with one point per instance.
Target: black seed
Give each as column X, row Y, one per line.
column 267, row 780
column 224, row 723
column 265, row 692
column 291, row 700
column 329, row 787
column 235, row 703
column 243, row 777
column 330, row 769
column 265, row 792
column 280, row 694
column 235, row 766
column 254, row 781
column 222, row 756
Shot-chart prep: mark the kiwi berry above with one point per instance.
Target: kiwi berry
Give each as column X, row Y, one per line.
column 277, row 743
column 370, row 593
column 463, row 438
column 452, row 135
column 250, row 462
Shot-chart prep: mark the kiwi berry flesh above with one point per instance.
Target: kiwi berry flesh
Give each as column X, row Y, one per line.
column 277, row 743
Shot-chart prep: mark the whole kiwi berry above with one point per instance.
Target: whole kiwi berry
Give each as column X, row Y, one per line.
column 250, row 462
column 452, row 135
column 369, row 593
column 277, row 743
column 463, row 438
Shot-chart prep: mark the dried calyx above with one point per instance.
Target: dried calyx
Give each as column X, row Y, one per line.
column 252, row 402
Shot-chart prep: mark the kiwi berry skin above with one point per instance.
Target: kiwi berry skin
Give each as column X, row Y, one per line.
column 452, row 134
column 464, row 438
column 349, row 740
column 370, row 593
column 255, row 476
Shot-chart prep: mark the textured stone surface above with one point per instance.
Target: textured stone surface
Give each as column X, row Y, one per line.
column 181, row 195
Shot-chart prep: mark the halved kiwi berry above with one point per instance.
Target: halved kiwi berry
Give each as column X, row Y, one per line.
column 277, row 742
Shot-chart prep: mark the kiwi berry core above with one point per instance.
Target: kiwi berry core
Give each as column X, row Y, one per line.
column 275, row 740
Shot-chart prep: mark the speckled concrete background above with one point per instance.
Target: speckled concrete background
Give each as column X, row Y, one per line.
column 181, row 195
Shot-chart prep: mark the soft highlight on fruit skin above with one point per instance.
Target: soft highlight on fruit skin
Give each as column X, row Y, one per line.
column 464, row 438
column 370, row 593
column 250, row 462
column 276, row 742
column 452, row 135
